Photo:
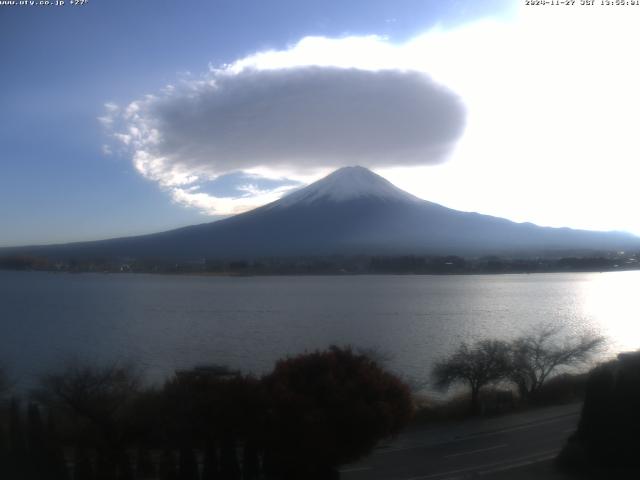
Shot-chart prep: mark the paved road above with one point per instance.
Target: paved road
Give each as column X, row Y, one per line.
column 479, row 448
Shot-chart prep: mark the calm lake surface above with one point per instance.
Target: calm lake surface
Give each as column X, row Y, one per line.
column 167, row 322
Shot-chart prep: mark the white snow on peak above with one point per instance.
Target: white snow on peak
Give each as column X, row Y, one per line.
column 348, row 183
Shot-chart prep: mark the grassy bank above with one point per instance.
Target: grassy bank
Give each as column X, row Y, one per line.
column 559, row 390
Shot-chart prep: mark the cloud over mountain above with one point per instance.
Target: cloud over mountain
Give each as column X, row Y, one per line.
column 295, row 119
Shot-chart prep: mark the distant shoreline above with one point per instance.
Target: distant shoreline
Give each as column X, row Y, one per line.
column 312, row 274
column 337, row 264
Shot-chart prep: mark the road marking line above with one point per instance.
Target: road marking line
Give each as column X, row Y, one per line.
column 470, row 452
column 354, row 469
column 538, row 457
column 517, row 465
column 475, row 435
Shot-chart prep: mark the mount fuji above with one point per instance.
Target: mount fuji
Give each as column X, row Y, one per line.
column 351, row 211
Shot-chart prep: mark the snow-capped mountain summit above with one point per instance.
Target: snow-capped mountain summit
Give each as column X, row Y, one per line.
column 345, row 184
column 351, row 211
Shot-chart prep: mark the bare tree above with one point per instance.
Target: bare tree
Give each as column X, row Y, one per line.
column 534, row 357
column 96, row 398
column 480, row 364
column 94, row 392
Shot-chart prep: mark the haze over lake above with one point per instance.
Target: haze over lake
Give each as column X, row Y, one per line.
column 168, row 322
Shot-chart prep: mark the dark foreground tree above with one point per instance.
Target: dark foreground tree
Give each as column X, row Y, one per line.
column 210, row 467
column 208, row 406
column 477, row 365
column 167, row 469
column 327, row 409
column 36, row 442
column 535, row 357
column 83, row 467
column 605, row 444
column 215, row 410
column 17, row 440
column 145, row 467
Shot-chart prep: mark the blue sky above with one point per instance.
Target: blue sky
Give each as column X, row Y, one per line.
column 75, row 81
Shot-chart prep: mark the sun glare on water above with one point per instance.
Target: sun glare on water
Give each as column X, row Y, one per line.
column 610, row 300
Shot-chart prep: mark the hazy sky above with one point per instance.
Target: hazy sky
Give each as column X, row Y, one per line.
column 121, row 117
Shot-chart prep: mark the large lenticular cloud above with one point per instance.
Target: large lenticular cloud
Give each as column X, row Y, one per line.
column 307, row 116
column 289, row 120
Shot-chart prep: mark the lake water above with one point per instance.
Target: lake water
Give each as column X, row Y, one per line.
column 167, row 322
